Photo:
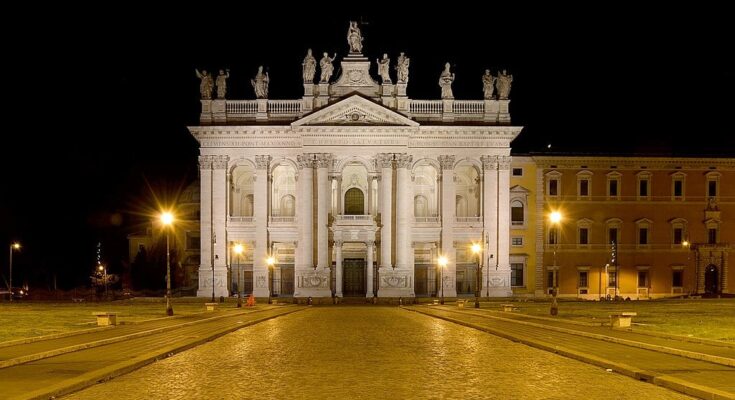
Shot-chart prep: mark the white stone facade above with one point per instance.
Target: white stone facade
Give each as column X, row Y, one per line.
column 355, row 175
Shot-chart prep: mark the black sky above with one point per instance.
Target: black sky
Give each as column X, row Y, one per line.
column 101, row 104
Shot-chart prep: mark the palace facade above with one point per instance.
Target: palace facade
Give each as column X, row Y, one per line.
column 357, row 190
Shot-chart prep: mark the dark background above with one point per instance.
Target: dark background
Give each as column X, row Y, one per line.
column 99, row 99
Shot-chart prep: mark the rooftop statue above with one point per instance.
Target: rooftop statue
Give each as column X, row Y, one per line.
column 504, row 81
column 260, row 84
column 309, row 67
column 402, row 68
column 354, row 38
column 206, row 85
column 327, row 68
column 445, row 82
column 222, row 83
column 488, row 85
column 384, row 69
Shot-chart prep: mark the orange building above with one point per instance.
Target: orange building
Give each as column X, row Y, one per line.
column 637, row 227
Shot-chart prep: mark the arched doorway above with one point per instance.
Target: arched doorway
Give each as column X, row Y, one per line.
column 711, row 280
column 354, row 202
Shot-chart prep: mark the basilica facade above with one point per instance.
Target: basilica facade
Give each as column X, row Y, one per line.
column 355, row 189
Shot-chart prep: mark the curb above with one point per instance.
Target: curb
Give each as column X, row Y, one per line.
column 623, row 369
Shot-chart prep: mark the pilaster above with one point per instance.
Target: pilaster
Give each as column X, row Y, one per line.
column 324, row 200
column 449, row 212
column 499, row 280
column 261, row 251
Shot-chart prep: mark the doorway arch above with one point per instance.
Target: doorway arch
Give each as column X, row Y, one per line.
column 354, row 202
column 711, row 279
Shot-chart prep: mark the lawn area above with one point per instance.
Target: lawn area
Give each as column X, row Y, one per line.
column 702, row 318
column 28, row 319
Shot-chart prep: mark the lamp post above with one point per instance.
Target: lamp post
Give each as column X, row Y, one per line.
column 688, row 246
column 442, row 263
column 167, row 219
column 271, row 261
column 238, row 250
column 477, row 251
column 555, row 218
column 103, row 270
column 13, row 246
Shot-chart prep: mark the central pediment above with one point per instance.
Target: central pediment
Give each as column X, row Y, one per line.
column 355, row 110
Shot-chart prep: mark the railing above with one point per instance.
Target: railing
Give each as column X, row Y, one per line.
column 355, row 217
column 282, row 220
column 281, row 107
column 248, row 220
column 425, row 107
column 427, row 220
column 468, row 107
column 468, row 219
column 241, row 107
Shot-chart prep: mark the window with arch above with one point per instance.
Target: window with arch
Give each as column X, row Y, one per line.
column 461, row 210
column 518, row 206
column 678, row 230
column 584, row 229
column 713, row 185
column 420, row 206
column 354, row 202
column 517, row 214
column 643, row 229
column 613, row 232
column 241, row 191
column 283, row 191
column 288, row 205
column 644, row 185
column 584, row 184
column 713, row 231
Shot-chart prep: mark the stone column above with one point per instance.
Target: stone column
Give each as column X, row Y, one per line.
column 324, row 161
column 371, row 211
column 449, row 205
column 500, row 278
column 725, row 272
column 385, row 162
column 260, row 253
column 304, row 199
column 369, row 291
column 206, row 262
column 404, row 211
column 490, row 217
column 219, row 218
column 340, row 199
column 338, row 268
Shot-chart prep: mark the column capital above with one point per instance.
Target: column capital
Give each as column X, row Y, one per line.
column 305, row 161
column 446, row 161
column 489, row 163
column 338, row 243
column 384, row 160
column 220, row 162
column 323, row 160
column 369, row 243
column 205, row 162
column 403, row 160
column 262, row 161
column 504, row 162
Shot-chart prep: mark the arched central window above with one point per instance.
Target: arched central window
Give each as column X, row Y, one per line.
column 420, row 206
column 354, row 202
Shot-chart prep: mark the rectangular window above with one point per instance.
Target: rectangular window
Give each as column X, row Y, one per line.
column 712, row 188
column 712, row 235
column 643, row 188
column 643, row 236
column 516, row 214
column 584, row 187
column 612, row 235
column 678, row 235
column 613, row 186
column 583, row 279
column 583, row 236
column 642, row 278
column 678, row 188
column 193, row 242
column 516, row 241
column 550, row 279
column 611, row 278
column 516, row 274
column 553, row 187
column 517, row 171
column 677, row 279
column 552, row 236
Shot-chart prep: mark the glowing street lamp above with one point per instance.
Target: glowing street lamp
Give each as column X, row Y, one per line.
column 555, row 218
column 442, row 263
column 238, row 250
column 13, row 246
column 270, row 261
column 167, row 219
column 103, row 270
column 477, row 251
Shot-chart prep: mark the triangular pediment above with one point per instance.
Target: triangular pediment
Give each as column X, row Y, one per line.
column 519, row 189
column 355, row 110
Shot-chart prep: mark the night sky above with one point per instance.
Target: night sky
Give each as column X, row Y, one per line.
column 96, row 126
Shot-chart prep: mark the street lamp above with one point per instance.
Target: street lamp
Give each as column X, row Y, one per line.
column 442, row 263
column 167, row 219
column 13, row 246
column 271, row 261
column 555, row 218
column 238, row 250
column 103, row 270
column 477, row 250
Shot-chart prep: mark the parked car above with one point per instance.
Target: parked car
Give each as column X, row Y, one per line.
column 18, row 293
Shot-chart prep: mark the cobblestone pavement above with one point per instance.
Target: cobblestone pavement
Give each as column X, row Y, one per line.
column 368, row 353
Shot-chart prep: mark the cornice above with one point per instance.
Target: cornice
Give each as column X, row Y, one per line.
column 634, row 163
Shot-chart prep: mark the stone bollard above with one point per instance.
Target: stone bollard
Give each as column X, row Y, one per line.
column 400, row 301
column 222, row 299
column 309, row 301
